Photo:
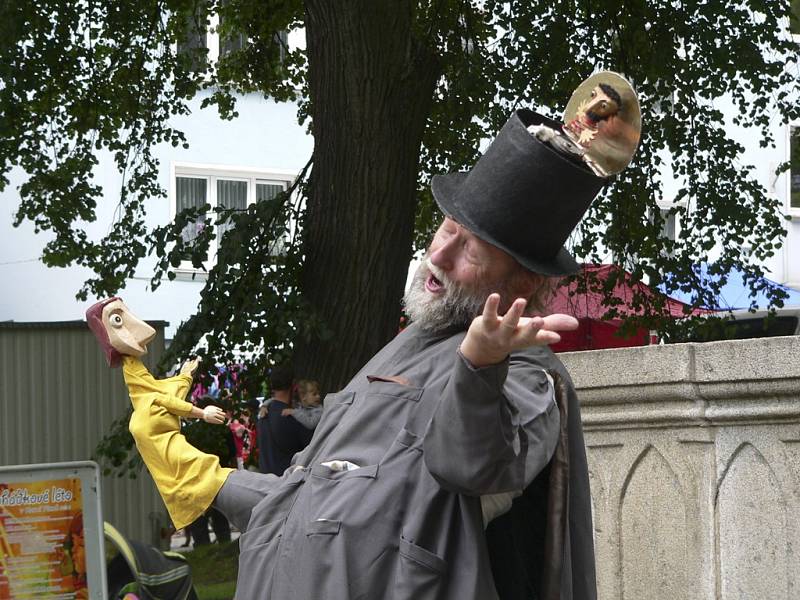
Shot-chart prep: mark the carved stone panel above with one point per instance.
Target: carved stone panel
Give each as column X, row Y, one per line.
column 751, row 521
column 653, row 531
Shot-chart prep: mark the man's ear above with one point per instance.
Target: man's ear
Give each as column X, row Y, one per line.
column 537, row 289
column 523, row 283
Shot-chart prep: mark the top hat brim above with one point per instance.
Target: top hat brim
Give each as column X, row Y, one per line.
column 446, row 189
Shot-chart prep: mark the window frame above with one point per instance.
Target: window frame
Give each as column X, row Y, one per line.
column 215, row 44
column 663, row 210
column 792, row 211
column 212, row 173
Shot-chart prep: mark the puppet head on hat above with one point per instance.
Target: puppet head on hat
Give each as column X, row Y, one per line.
column 534, row 183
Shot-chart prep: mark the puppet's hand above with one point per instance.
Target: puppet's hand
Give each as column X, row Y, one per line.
column 190, row 366
column 491, row 337
column 213, row 415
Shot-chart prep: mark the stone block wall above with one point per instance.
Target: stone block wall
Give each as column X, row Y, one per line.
column 694, row 459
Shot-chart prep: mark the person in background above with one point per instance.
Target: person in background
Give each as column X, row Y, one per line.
column 308, row 410
column 281, row 381
column 243, row 430
column 280, row 436
column 251, row 461
column 239, row 431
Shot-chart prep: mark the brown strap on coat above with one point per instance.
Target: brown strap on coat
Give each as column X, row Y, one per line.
column 557, row 526
column 389, row 379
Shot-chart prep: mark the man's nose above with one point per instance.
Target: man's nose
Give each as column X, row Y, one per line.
column 444, row 256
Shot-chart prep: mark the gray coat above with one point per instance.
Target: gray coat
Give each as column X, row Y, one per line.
column 430, row 435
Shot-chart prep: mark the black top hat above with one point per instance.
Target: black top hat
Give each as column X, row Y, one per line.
column 522, row 196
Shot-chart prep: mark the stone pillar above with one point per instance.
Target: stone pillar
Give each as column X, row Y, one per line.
column 694, row 461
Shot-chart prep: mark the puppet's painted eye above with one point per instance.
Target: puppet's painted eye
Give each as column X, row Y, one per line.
column 116, row 320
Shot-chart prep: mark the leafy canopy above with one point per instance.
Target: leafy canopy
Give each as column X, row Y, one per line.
column 79, row 78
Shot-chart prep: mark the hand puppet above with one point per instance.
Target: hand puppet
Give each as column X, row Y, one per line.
column 187, row 479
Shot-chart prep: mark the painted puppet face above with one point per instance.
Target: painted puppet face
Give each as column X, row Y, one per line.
column 127, row 334
column 601, row 106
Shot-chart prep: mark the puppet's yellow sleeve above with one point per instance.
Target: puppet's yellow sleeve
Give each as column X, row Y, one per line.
column 144, row 388
column 187, row 479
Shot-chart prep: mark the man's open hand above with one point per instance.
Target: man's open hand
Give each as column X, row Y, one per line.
column 491, row 337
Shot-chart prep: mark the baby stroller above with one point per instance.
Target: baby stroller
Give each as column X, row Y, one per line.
column 139, row 571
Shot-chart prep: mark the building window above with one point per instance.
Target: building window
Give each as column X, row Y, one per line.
column 232, row 41
column 194, row 42
column 282, row 39
column 202, row 41
column 208, row 188
column 668, row 224
column 794, row 168
column 191, row 192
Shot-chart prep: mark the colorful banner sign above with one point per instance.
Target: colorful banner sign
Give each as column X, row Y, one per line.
column 42, row 541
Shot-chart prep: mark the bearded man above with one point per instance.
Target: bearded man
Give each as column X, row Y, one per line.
column 452, row 465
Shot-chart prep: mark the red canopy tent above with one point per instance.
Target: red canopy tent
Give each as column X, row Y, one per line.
column 593, row 332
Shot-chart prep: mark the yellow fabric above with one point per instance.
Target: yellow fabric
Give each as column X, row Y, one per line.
column 187, row 479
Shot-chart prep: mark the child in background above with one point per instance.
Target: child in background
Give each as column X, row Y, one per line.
column 309, row 411
column 242, row 428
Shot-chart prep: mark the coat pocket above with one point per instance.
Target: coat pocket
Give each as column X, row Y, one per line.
column 421, row 574
column 353, row 564
column 258, row 550
column 261, row 535
column 324, row 527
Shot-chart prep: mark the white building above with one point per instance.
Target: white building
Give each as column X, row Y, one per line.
column 784, row 266
column 250, row 157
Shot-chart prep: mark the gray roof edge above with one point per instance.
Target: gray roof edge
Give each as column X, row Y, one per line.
column 78, row 324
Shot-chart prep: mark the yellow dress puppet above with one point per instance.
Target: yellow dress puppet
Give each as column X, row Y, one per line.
column 187, row 479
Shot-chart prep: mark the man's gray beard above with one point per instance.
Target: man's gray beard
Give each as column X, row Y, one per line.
column 456, row 307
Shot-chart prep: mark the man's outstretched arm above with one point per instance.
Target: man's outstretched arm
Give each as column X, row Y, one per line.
column 242, row 490
column 497, row 424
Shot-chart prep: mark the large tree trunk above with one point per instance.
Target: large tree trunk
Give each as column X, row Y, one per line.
column 371, row 81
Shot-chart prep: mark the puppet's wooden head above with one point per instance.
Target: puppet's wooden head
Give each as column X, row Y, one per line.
column 119, row 332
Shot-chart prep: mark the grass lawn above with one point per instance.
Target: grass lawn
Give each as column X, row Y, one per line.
column 214, row 569
column 216, row 591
